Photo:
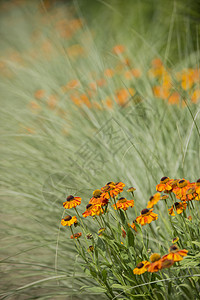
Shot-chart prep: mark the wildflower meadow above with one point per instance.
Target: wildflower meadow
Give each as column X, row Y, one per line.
column 100, row 149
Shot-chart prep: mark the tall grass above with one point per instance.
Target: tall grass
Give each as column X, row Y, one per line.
column 43, row 139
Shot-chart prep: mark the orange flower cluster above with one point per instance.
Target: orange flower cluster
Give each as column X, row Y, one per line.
column 112, row 189
column 101, row 198
column 187, row 81
column 158, row 263
column 183, row 189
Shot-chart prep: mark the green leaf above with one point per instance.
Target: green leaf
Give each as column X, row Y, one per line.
column 104, row 274
column 169, row 287
column 158, row 295
column 100, row 244
column 122, row 216
column 196, row 243
column 121, row 287
column 124, row 256
column 116, row 286
column 131, row 238
column 187, row 290
column 96, row 290
column 93, row 272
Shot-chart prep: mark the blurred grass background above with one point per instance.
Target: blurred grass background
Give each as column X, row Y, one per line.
column 42, row 158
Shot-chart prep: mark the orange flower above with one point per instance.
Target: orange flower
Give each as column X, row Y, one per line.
column 108, row 103
column 187, row 80
column 71, row 202
column 157, row 63
column 99, row 198
column 175, row 254
column 155, row 265
column 195, row 96
column 159, row 263
column 136, row 73
column 141, row 267
column 164, row 184
column 133, row 225
column 52, row 101
column 153, row 200
column 69, row 221
column 123, row 95
column 92, row 210
column 180, row 190
column 161, row 92
column 90, row 249
column 123, row 203
column 101, row 82
column 85, row 100
column 146, row 217
column 112, row 189
column 118, row 49
column 197, row 189
column 72, row 84
column 76, row 235
column 101, row 231
column 35, row 107
column 179, row 207
column 109, row 73
column 123, row 232
column 131, row 189
column 39, row 94
column 166, row 263
column 191, row 193
column 174, row 98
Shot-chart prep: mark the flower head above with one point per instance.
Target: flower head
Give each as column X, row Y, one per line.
column 131, row 189
column 123, row 203
column 175, row 240
column 163, row 186
column 71, row 202
column 76, row 235
column 146, row 217
column 191, row 193
column 197, row 189
column 92, row 210
column 133, row 225
column 112, row 189
column 180, row 190
column 89, row 236
column 101, row 231
column 175, row 253
column 68, row 220
column 155, row 257
column 141, row 267
column 123, row 232
column 179, row 207
column 97, row 193
column 160, row 264
column 91, row 248
column 118, row 49
column 153, row 200
column 99, row 198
